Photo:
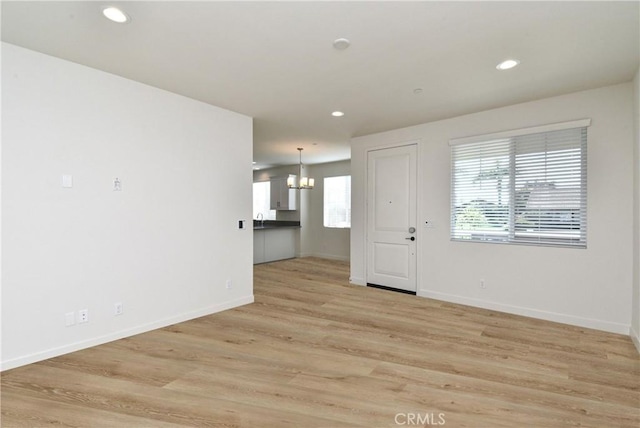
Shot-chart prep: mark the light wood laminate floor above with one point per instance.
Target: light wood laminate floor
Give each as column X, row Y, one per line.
column 314, row 351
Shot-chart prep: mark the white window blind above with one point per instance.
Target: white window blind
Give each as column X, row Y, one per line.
column 528, row 188
column 337, row 201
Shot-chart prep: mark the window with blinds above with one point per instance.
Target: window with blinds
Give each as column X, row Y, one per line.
column 525, row 187
column 337, row 202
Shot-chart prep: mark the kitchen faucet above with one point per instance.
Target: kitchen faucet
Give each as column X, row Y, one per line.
column 261, row 218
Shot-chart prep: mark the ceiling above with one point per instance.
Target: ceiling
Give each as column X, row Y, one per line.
column 275, row 61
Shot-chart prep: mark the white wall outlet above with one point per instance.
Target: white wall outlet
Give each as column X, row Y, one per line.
column 83, row 315
column 69, row 319
column 117, row 185
column 482, row 284
column 229, row 284
column 117, row 308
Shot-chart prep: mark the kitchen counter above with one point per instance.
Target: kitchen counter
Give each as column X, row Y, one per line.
column 275, row 224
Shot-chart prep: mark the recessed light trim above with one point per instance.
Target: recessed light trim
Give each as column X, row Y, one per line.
column 337, row 113
column 116, row 15
column 341, row 43
column 507, row 64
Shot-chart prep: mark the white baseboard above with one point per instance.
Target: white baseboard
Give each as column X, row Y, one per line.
column 325, row 256
column 607, row 326
column 77, row 346
column 357, row 280
column 332, row 257
column 635, row 338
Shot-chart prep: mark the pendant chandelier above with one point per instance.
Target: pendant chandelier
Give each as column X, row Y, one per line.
column 302, row 182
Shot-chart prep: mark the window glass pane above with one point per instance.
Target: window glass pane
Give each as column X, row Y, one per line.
column 261, row 201
column 337, row 201
column 481, row 194
column 549, row 187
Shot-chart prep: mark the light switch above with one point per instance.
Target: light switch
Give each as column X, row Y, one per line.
column 67, row 181
column 69, row 319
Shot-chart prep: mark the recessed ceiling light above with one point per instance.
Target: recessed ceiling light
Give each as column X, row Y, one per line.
column 115, row 15
column 341, row 44
column 337, row 114
column 507, row 64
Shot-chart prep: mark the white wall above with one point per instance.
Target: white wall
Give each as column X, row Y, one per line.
column 164, row 246
column 586, row 287
column 635, row 301
column 317, row 240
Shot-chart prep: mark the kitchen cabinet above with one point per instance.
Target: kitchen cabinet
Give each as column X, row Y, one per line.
column 279, row 244
column 258, row 247
column 282, row 198
column 274, row 244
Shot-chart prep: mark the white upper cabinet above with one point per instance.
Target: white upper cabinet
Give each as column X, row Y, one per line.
column 282, row 198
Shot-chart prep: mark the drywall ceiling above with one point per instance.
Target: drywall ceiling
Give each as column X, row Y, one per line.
column 275, row 61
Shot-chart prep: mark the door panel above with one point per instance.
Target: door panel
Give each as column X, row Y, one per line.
column 391, row 212
column 391, row 260
column 391, row 193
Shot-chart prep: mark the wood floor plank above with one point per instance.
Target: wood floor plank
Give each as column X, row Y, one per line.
column 326, row 404
column 109, row 362
column 116, row 396
column 569, row 406
column 316, row 351
column 20, row 411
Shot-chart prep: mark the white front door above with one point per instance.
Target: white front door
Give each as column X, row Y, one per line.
column 391, row 217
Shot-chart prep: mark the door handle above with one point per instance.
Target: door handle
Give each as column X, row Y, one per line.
column 413, row 238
